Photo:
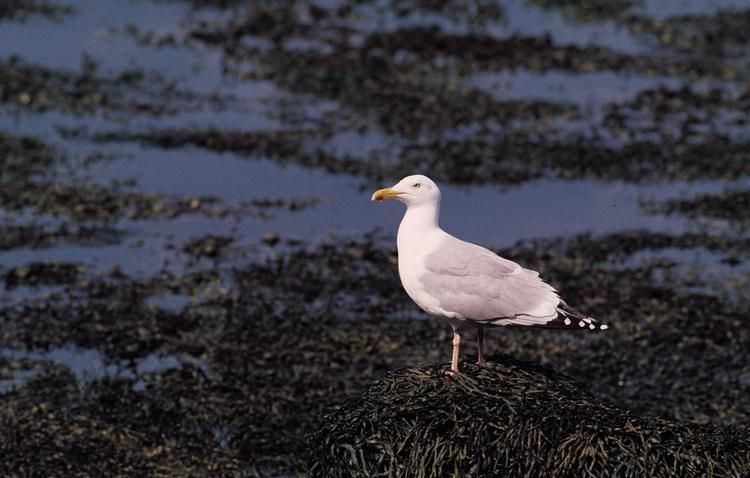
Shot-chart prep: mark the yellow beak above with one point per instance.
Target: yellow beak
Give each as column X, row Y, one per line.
column 385, row 193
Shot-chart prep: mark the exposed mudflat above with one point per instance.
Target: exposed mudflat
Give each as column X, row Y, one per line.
column 190, row 266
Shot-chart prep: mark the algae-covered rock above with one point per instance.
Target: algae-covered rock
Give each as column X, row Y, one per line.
column 510, row 418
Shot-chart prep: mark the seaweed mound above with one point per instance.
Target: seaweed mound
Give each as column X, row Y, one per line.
column 509, row 418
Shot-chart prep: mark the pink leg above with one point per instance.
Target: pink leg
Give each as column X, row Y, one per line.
column 456, row 347
column 480, row 346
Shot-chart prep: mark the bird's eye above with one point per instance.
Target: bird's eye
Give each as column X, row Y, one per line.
column 416, row 185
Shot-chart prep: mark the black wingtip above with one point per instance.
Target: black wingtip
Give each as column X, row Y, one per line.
column 570, row 318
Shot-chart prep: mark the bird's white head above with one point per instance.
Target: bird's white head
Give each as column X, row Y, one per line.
column 415, row 190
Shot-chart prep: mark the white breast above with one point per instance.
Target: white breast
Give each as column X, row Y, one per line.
column 412, row 251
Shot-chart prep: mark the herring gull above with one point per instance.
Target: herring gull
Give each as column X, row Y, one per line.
column 464, row 284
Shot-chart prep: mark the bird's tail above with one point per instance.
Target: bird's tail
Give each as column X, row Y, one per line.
column 570, row 318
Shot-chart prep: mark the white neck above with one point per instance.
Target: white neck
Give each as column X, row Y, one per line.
column 417, row 222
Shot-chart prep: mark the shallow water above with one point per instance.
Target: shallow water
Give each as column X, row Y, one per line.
column 89, row 365
column 540, row 208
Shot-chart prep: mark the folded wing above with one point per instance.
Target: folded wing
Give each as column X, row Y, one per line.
column 476, row 284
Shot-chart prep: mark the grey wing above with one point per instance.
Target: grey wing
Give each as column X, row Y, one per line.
column 474, row 283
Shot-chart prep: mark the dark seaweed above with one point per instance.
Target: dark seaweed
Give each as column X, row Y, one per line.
column 292, row 335
column 509, row 418
column 23, row 9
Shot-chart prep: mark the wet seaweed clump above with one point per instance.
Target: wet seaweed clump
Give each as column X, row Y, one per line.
column 36, row 236
column 686, row 115
column 476, row 12
column 40, row 88
column 403, row 98
column 723, row 34
column 43, row 273
column 208, row 246
column 22, row 9
column 22, row 157
column 291, row 205
column 28, row 182
column 510, row 418
column 264, row 143
column 31, row 87
column 730, row 205
column 517, row 158
column 218, row 4
column 590, row 10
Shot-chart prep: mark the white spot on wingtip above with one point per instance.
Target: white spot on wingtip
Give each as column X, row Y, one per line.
column 567, row 321
column 604, row 327
column 592, row 326
column 581, row 324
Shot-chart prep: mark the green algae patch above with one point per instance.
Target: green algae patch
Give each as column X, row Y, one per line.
column 509, row 418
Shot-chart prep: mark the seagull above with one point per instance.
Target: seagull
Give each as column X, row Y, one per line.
column 464, row 284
